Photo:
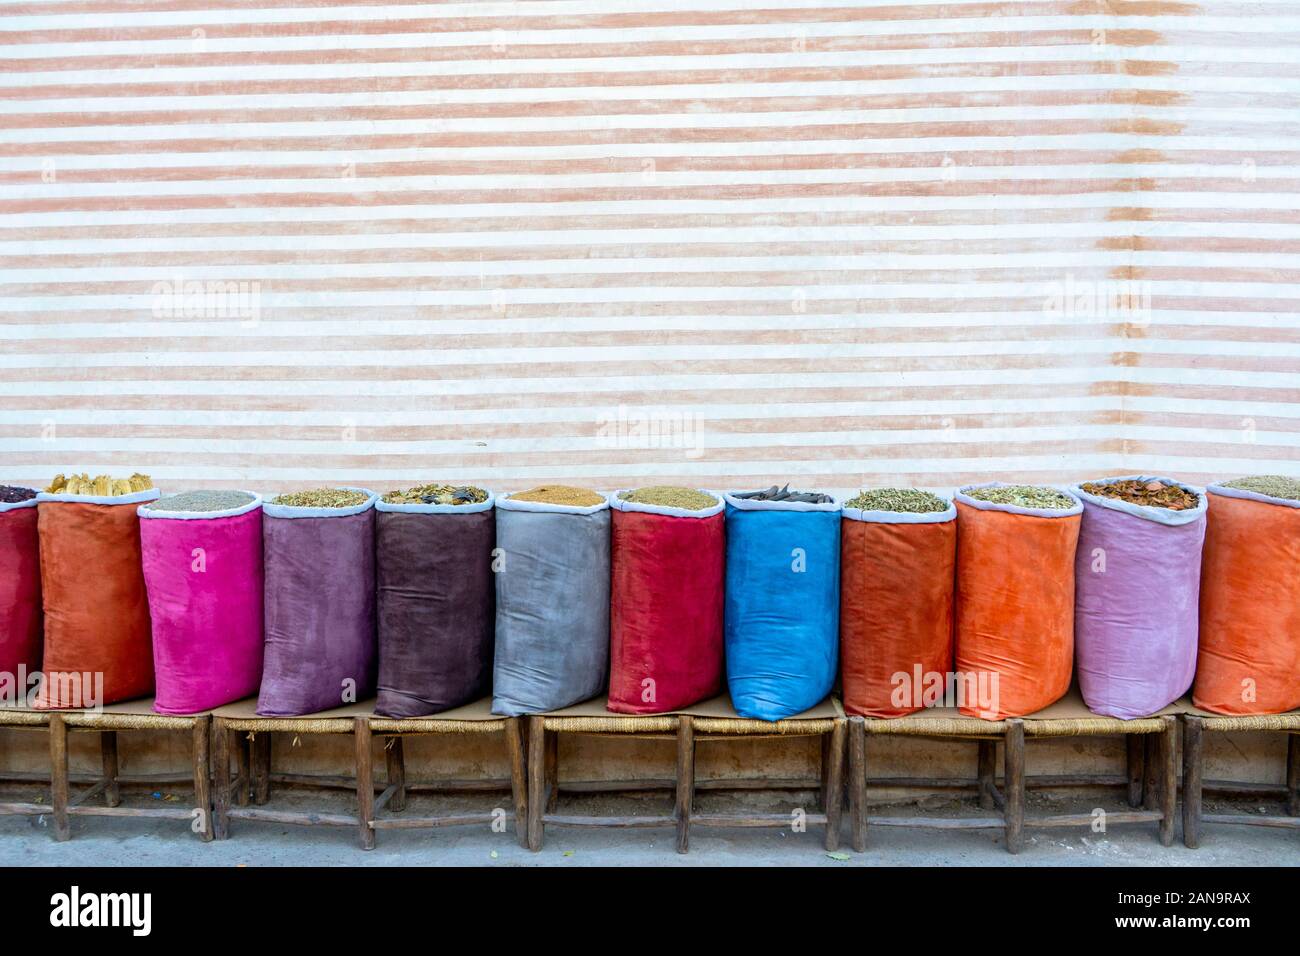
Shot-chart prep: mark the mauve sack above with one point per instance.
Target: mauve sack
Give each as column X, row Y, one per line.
column 552, row 620
column 203, row 572
column 96, row 610
column 20, row 592
column 435, row 592
column 319, row 607
column 666, row 593
column 1137, row 585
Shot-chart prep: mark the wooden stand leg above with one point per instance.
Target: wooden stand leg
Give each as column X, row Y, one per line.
column 221, row 779
column 365, row 782
column 243, row 768
column 108, row 751
column 1293, row 775
column 987, row 761
column 1014, row 783
column 261, row 763
column 552, row 749
column 59, row 777
column 1168, row 779
column 1151, row 774
column 1192, row 755
column 685, row 781
column 395, row 767
column 833, row 794
column 201, row 736
column 536, row 780
column 858, row 782
column 518, row 777
column 1135, row 745
column 825, row 770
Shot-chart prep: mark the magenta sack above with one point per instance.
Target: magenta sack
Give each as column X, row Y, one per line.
column 1137, row 590
column 203, row 573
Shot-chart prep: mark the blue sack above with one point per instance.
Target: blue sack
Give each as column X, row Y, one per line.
column 783, row 605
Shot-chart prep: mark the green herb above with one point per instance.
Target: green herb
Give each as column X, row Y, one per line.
column 321, row 498
column 1275, row 486
column 1023, row 496
column 902, row 500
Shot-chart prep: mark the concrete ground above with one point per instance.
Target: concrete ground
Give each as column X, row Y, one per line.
column 104, row 841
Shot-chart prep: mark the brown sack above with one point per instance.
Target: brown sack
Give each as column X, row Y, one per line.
column 1015, row 603
column 96, row 609
column 896, row 606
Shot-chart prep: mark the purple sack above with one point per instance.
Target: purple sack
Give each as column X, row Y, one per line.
column 1137, row 591
column 319, row 608
column 436, row 590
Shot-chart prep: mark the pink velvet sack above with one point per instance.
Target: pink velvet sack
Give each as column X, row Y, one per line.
column 203, row 571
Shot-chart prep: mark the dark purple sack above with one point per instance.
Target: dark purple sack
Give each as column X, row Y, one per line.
column 319, row 608
column 1137, row 590
column 436, row 606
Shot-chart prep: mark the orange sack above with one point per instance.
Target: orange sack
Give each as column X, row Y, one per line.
column 1249, row 656
column 1015, row 605
column 896, row 607
column 98, row 642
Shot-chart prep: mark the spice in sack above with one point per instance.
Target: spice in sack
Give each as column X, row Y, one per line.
column 670, row 496
column 11, row 494
column 901, row 500
column 437, row 495
column 322, row 498
column 1024, row 496
column 560, row 495
column 1275, row 486
column 785, row 494
column 197, row 501
column 101, row 486
column 1153, row 493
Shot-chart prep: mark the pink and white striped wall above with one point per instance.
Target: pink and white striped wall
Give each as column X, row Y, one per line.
column 271, row 243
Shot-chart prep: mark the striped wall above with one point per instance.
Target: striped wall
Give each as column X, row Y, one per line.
column 266, row 243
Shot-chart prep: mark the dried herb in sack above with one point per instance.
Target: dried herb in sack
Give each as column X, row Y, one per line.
column 900, row 500
column 785, row 494
column 200, row 501
column 670, row 496
column 321, row 498
column 560, row 495
column 11, row 494
column 1275, row 486
column 1153, row 493
column 101, row 486
column 437, row 495
column 1023, row 496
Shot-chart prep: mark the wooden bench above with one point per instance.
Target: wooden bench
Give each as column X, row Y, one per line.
column 710, row 720
column 33, row 720
column 1151, row 784
column 475, row 718
column 115, row 718
column 245, row 736
column 1197, row 723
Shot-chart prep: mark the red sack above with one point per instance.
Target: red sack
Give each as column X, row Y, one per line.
column 666, row 594
column 20, row 593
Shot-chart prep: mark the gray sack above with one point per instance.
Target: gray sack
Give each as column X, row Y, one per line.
column 552, row 607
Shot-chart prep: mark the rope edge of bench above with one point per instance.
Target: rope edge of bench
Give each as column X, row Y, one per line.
column 1289, row 722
